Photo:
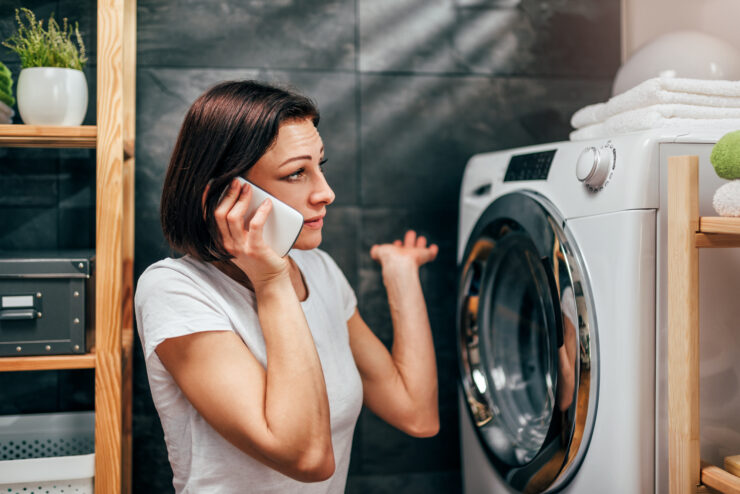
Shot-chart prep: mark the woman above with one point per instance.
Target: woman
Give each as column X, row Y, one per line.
column 258, row 365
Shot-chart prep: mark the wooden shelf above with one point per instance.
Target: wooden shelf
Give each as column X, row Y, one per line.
column 47, row 362
column 687, row 233
column 719, row 479
column 46, row 136
column 719, row 224
column 114, row 141
column 718, row 232
column 60, row 362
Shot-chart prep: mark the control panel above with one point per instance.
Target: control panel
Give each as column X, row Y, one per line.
column 531, row 166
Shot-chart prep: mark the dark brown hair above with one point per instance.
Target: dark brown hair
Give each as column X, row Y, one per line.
column 225, row 132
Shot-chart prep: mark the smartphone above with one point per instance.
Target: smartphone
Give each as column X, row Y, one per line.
column 283, row 224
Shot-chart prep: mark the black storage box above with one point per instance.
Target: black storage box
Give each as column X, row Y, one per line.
column 46, row 302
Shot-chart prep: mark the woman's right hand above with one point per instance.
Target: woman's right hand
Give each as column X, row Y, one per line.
column 251, row 253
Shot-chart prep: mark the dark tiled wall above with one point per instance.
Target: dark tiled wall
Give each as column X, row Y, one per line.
column 409, row 90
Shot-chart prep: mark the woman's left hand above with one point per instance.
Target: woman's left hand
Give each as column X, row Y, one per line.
column 412, row 250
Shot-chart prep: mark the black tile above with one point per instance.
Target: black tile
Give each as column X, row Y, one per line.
column 76, row 390
column 341, row 238
column 386, row 450
column 90, row 71
column 29, row 162
column 85, row 14
column 29, row 190
column 418, row 132
column 532, row 38
column 29, row 228
column 77, row 177
column 77, row 199
column 438, row 278
column 150, row 245
column 311, row 35
column 151, row 468
column 77, row 228
column 28, row 392
column 443, row 482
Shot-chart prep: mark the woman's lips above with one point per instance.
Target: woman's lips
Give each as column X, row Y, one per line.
column 315, row 223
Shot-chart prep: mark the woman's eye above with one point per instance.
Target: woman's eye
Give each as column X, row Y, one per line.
column 295, row 175
column 321, row 164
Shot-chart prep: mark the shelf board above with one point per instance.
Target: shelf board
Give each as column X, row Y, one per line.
column 719, row 224
column 47, row 362
column 47, row 136
column 719, row 479
column 718, row 231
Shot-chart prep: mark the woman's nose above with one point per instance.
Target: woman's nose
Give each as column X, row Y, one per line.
column 323, row 193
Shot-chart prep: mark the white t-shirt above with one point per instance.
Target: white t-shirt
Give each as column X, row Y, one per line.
column 175, row 297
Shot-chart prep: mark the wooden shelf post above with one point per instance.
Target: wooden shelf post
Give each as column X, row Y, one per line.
column 114, row 242
column 683, row 324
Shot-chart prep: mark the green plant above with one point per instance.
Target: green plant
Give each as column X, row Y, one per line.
column 50, row 47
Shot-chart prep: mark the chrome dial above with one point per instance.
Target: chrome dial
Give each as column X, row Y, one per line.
column 594, row 165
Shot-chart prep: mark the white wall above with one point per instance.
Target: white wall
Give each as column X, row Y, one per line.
column 643, row 20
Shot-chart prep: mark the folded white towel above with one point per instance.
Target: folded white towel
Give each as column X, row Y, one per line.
column 649, row 118
column 662, row 90
column 5, row 110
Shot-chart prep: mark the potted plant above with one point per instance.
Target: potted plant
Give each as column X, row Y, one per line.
column 51, row 88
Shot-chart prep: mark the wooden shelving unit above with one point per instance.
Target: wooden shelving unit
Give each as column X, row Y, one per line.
column 114, row 141
column 687, row 233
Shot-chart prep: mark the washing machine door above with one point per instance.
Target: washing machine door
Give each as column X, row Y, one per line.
column 527, row 346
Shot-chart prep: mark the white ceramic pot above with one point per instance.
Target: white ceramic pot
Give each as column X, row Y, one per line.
column 52, row 96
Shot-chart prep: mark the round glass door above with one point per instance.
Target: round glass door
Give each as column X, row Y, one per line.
column 525, row 344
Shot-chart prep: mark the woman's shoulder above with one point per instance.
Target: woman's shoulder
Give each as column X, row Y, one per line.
column 172, row 267
column 178, row 271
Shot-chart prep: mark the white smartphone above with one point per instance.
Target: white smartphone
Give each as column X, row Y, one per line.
column 283, row 224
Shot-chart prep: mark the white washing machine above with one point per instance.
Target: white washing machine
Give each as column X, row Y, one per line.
column 562, row 318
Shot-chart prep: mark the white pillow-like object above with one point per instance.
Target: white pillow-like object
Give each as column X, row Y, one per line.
column 685, row 54
column 726, row 200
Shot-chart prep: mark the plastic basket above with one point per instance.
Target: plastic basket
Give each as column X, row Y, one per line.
column 47, row 453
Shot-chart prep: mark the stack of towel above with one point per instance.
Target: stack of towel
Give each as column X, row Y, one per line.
column 6, row 95
column 662, row 102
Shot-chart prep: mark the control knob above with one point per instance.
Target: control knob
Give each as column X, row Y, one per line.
column 593, row 166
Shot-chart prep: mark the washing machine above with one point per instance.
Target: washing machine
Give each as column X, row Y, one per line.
column 562, row 318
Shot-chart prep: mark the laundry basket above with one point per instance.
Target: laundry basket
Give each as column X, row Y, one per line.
column 47, row 453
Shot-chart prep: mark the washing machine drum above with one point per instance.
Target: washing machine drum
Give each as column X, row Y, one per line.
column 527, row 346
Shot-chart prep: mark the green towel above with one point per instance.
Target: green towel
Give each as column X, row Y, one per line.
column 7, row 99
column 6, row 84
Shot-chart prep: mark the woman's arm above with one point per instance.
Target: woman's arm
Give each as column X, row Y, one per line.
column 400, row 386
column 278, row 415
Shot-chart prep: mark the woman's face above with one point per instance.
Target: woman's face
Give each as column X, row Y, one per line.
column 291, row 170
